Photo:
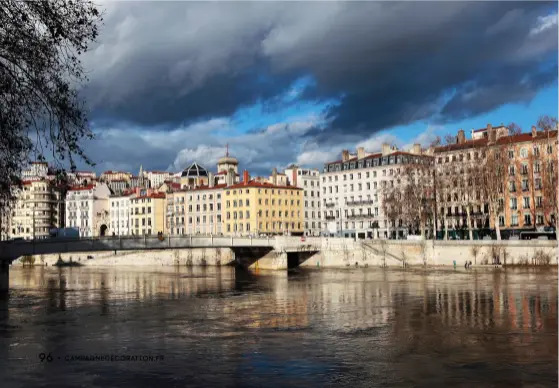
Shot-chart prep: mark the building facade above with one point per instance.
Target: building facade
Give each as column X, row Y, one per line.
column 352, row 192
column 524, row 192
column 253, row 208
column 37, row 209
column 157, row 178
column 87, row 209
column 308, row 180
column 147, row 214
column 195, row 211
column 120, row 213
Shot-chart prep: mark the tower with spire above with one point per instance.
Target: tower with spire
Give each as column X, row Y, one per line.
column 226, row 163
column 141, row 178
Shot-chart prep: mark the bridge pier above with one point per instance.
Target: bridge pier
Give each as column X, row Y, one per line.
column 4, row 276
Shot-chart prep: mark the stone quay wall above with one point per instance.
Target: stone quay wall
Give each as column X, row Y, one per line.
column 331, row 253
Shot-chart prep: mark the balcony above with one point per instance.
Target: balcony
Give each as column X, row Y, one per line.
column 359, row 216
column 362, row 202
column 330, row 204
column 329, row 218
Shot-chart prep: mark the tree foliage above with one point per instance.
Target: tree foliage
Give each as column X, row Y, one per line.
column 40, row 75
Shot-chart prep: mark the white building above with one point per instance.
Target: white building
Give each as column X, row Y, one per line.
column 81, row 177
column 87, row 209
column 157, row 178
column 309, row 180
column 352, row 192
column 119, row 214
column 36, row 170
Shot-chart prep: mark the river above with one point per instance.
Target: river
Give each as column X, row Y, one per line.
column 221, row 327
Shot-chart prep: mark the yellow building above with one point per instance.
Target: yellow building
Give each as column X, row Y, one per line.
column 253, row 207
column 147, row 214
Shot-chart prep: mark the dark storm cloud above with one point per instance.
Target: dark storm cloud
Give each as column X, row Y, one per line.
column 390, row 63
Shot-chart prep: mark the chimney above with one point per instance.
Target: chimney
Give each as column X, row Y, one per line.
column 360, row 152
column 386, row 149
column 534, row 131
column 461, row 138
column 491, row 133
column 246, row 177
column 211, row 181
column 345, row 155
column 229, row 177
column 275, row 176
column 294, row 176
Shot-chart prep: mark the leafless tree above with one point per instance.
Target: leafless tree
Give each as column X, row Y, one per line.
column 490, row 176
column 514, row 129
column 416, row 193
column 391, row 200
column 449, row 139
column 40, row 73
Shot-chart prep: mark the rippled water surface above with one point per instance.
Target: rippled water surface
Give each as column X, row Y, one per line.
column 226, row 328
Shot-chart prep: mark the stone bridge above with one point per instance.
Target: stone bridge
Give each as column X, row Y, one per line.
column 252, row 248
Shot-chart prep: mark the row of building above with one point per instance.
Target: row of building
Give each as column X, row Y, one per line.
column 346, row 198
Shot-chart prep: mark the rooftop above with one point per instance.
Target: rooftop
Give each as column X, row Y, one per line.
column 260, row 184
column 513, row 139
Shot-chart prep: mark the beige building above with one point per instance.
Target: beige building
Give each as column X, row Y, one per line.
column 195, row 211
column 87, row 209
column 147, row 213
column 252, row 207
column 308, row 180
column 38, row 209
column 109, row 176
column 528, row 187
column 120, row 213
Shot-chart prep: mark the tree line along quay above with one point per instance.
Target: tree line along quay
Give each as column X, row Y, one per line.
column 497, row 183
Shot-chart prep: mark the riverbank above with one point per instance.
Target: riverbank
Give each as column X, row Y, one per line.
column 328, row 253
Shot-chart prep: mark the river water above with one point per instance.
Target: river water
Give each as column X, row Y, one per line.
column 212, row 327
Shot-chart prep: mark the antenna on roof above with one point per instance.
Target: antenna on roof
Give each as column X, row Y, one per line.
column 227, row 149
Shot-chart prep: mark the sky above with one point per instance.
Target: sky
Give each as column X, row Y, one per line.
column 297, row 82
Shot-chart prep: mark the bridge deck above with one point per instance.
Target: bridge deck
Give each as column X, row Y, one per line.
column 12, row 250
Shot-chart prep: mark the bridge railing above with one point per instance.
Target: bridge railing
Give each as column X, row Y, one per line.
column 62, row 245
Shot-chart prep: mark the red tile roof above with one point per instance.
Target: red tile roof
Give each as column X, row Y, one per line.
column 513, row 139
column 82, row 188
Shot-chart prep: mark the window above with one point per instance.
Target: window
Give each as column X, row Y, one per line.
column 513, row 204
column 501, row 221
column 526, row 203
column 524, row 152
column 511, row 154
column 514, row 220
column 527, row 219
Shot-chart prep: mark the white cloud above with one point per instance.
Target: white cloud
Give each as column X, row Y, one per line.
column 544, row 23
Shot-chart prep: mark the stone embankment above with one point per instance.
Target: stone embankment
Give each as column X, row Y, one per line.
column 329, row 253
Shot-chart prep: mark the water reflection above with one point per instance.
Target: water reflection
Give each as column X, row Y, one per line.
column 321, row 328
